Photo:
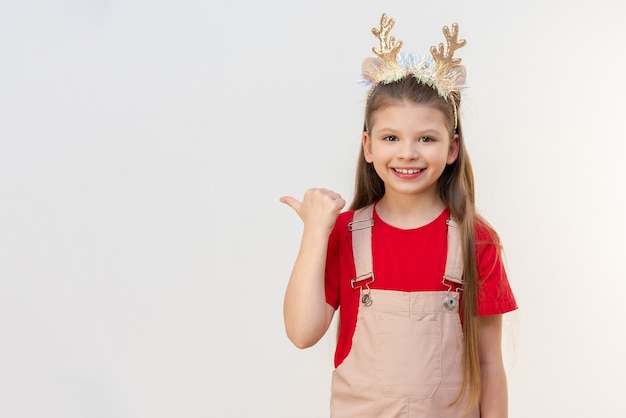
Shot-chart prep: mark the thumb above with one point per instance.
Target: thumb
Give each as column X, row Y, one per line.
column 292, row 202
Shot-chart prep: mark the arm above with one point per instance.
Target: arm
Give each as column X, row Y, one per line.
column 494, row 395
column 306, row 313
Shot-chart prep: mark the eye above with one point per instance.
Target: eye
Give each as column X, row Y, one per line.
column 390, row 138
column 426, row 139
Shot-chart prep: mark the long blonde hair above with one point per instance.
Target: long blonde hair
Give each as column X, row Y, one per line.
column 456, row 190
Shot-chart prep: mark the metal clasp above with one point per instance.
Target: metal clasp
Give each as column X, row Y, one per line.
column 360, row 282
column 362, row 224
column 452, row 296
column 451, row 222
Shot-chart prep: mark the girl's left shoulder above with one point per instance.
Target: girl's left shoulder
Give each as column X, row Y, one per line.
column 484, row 233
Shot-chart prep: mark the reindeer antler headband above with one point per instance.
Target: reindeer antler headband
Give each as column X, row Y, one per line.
column 442, row 72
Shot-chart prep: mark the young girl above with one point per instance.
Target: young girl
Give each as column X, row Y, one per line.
column 416, row 272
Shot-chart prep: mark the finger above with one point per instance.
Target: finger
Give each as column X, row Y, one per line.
column 292, row 202
column 334, row 195
column 328, row 192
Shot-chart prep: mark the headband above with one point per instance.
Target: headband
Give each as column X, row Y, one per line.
column 442, row 72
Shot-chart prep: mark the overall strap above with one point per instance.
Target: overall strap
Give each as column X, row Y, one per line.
column 454, row 258
column 361, row 229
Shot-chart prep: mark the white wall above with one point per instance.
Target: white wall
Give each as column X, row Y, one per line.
column 143, row 149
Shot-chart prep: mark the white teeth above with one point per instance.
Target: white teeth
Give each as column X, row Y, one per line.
column 407, row 171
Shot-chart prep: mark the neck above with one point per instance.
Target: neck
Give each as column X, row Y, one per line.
column 409, row 212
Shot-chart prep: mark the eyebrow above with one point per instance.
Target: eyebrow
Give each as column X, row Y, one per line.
column 432, row 132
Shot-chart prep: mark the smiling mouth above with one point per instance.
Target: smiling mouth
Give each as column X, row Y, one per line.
column 407, row 171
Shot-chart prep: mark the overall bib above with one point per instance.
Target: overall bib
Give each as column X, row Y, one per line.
column 407, row 347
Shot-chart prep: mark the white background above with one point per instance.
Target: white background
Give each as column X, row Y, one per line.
column 143, row 149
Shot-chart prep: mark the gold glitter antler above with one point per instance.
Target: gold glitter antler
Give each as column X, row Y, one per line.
column 442, row 58
column 389, row 48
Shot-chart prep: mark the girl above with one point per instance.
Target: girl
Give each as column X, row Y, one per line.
column 416, row 272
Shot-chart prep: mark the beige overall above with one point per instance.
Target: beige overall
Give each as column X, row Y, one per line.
column 406, row 356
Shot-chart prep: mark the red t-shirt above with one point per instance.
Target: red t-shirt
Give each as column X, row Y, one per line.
column 408, row 260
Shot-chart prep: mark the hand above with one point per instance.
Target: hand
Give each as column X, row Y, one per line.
column 319, row 208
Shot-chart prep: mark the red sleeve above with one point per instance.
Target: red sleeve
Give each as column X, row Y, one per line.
column 494, row 292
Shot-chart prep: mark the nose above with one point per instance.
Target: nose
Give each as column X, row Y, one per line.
column 409, row 150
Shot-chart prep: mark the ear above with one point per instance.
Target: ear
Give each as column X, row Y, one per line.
column 366, row 140
column 453, row 151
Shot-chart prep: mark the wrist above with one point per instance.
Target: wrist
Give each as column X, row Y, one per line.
column 316, row 232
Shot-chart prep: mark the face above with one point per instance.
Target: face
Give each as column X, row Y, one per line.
column 410, row 146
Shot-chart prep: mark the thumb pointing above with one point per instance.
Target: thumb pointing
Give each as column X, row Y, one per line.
column 293, row 203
